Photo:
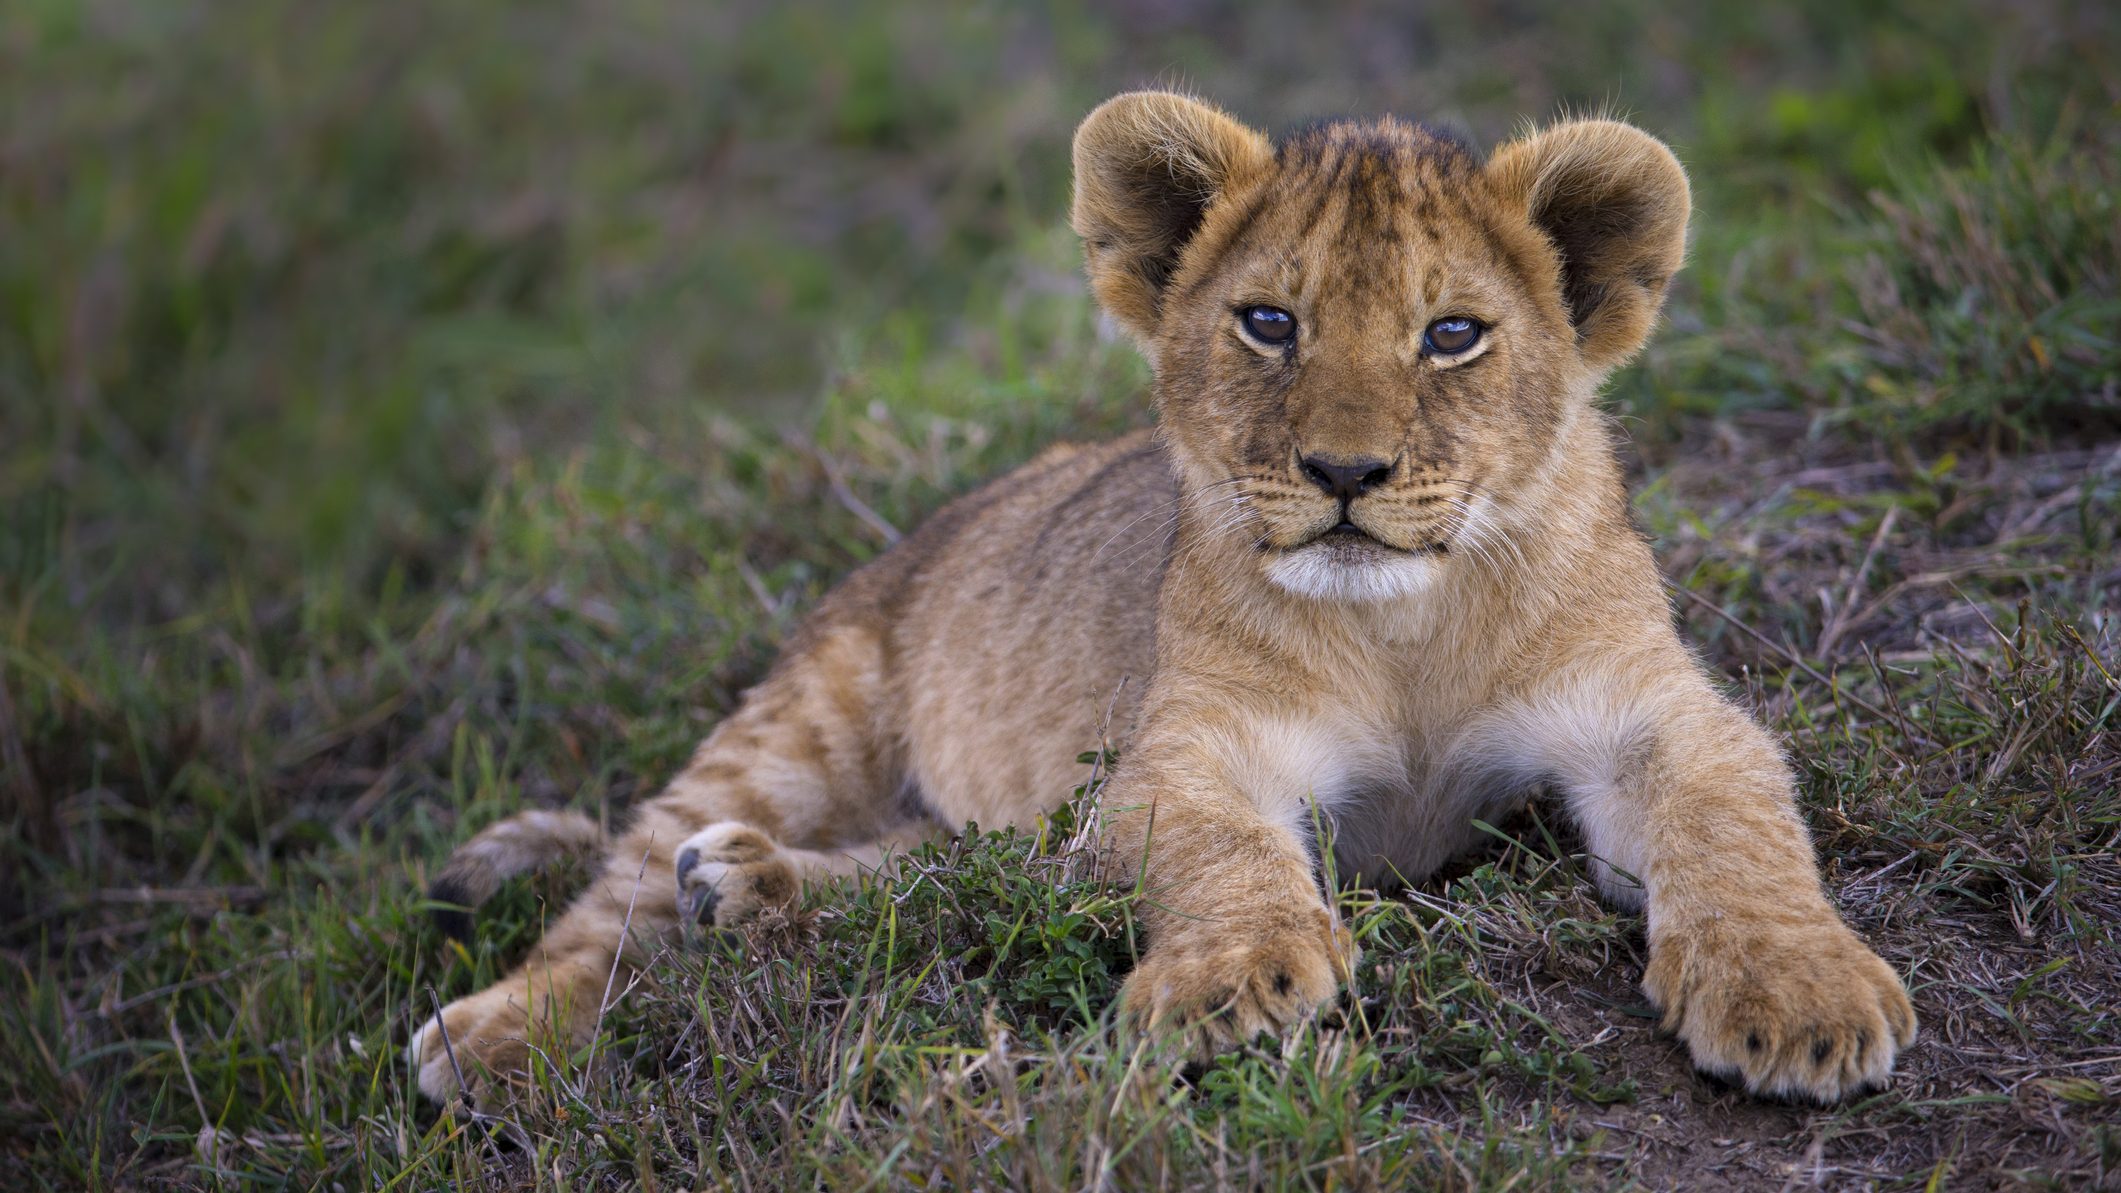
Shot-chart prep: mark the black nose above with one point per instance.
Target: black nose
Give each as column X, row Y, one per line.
column 1348, row 480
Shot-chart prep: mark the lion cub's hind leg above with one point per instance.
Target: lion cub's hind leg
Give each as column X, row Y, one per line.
column 730, row 871
column 801, row 782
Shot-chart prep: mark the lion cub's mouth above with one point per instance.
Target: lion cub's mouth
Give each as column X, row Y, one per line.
column 1347, row 540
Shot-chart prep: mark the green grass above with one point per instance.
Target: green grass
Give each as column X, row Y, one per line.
column 410, row 414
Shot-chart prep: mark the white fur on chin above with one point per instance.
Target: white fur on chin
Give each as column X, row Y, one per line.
column 1326, row 574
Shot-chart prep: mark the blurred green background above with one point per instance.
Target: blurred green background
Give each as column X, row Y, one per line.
column 287, row 288
column 409, row 411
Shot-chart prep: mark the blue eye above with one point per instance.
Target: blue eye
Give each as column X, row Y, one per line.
column 1451, row 335
column 1269, row 325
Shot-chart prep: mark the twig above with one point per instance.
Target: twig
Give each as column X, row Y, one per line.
column 160, row 895
column 618, row 952
column 1843, row 616
column 1796, row 661
column 148, row 996
column 208, row 1142
column 449, row 1050
column 184, row 1062
column 1885, row 685
column 757, row 584
column 855, row 505
column 517, row 1135
column 2010, row 649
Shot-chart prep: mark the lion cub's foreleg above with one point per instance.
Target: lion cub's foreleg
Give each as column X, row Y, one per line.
column 1690, row 810
column 797, row 784
column 1212, row 810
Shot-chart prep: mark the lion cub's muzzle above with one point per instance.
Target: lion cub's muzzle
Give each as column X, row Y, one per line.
column 1367, row 514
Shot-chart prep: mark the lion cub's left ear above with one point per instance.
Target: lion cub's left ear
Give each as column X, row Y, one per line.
column 1614, row 202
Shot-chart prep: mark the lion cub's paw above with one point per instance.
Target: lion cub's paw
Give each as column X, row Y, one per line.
column 1805, row 1011
column 729, row 872
column 486, row 1037
column 1219, row 986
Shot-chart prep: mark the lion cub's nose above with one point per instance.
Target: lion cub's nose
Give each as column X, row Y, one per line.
column 1346, row 480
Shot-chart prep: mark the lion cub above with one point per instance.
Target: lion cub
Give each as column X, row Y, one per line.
column 1373, row 569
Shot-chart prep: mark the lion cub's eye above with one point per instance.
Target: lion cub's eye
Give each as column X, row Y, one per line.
column 1269, row 325
column 1451, row 335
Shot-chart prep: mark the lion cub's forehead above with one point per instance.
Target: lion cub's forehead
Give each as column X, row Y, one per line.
column 1408, row 151
column 1359, row 204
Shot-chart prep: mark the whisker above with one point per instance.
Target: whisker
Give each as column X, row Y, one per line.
column 1130, row 524
column 1476, row 544
column 1225, row 519
column 1135, row 552
column 1234, row 514
column 1489, row 540
column 1176, row 502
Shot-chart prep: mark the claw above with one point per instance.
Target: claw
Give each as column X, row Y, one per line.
column 702, row 904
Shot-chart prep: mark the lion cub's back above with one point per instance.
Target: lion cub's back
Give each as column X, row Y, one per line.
column 1027, row 616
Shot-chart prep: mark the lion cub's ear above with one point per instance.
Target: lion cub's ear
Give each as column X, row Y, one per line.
column 1614, row 201
column 1147, row 165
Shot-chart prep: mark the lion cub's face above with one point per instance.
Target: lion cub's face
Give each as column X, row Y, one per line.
column 1367, row 340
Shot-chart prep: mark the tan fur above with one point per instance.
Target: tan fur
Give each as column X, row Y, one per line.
column 1498, row 628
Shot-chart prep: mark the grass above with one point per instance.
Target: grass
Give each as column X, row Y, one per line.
column 408, row 416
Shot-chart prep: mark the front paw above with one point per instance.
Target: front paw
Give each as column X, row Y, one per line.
column 1218, row 985
column 1801, row 1010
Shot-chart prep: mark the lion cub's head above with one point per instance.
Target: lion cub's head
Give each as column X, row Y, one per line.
column 1367, row 340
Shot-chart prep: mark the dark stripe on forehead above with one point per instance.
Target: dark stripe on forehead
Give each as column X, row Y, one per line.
column 1500, row 249
column 1375, row 193
column 1322, row 191
column 1245, row 219
column 1358, row 240
column 1386, row 137
column 1210, row 270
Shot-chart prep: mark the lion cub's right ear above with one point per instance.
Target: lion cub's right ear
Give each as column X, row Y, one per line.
column 1147, row 165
